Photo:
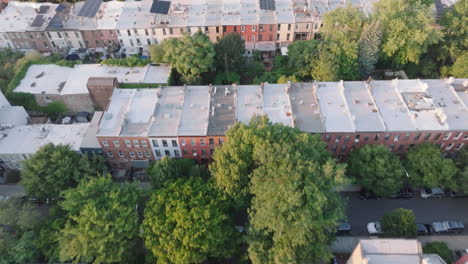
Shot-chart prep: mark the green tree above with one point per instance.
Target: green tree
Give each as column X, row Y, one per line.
column 325, row 66
column 54, row 169
column 407, row 29
column 286, row 79
column 460, row 68
column 269, row 77
column 190, row 56
column 439, row 248
column 167, row 169
column 223, row 78
column 376, row 168
column 426, row 167
column 187, row 221
column 302, row 54
column 230, row 50
column 461, row 161
column 455, row 28
column 157, row 52
column 399, row 223
column 369, row 47
column 102, row 221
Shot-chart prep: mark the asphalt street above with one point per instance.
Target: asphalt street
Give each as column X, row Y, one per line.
column 361, row 212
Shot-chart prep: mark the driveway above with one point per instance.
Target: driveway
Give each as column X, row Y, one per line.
column 361, row 212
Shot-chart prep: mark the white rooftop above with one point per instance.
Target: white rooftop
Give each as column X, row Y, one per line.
column 17, row 16
column 364, row 112
column 195, row 112
column 168, row 112
column 334, row 107
column 40, row 135
column 276, row 104
column 388, row 251
column 82, row 23
column 249, row 102
column 46, row 78
column 13, row 115
column 90, row 141
column 109, row 16
column 136, row 14
column 3, row 100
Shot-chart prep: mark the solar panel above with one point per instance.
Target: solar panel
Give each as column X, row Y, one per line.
column 90, row 8
column 38, row 21
column 60, row 7
column 160, row 7
column 43, row 9
column 267, row 4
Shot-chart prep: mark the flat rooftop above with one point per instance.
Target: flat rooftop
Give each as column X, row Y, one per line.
column 195, row 112
column 276, row 103
column 90, row 141
column 110, row 15
column 82, row 23
column 136, row 14
column 168, row 112
column 18, row 16
column 395, row 251
column 334, row 107
column 40, row 135
column 363, row 109
column 222, row 110
column 305, row 108
column 249, row 102
column 13, row 116
column 45, row 79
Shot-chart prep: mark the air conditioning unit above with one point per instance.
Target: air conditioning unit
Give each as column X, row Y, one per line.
column 356, row 140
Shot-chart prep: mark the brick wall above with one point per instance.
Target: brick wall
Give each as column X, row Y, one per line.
column 120, row 151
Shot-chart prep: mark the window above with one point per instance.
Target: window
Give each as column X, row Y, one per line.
column 121, row 154
column 217, row 29
column 48, row 34
column 131, row 43
column 253, row 38
column 221, row 141
column 270, row 37
column 366, row 138
column 76, row 34
column 171, row 31
column 391, row 147
column 287, row 36
column 129, row 33
column 289, row 27
column 356, row 139
column 46, row 45
column 194, row 152
column 144, row 144
column 174, row 143
column 277, row 36
column 297, row 26
column 211, row 140
column 176, row 153
column 153, row 30
column 458, row 135
column 437, row 136
column 460, row 146
column 315, row 26
column 164, row 143
column 147, row 154
column 254, row 28
column 337, row 139
column 387, row 137
column 185, row 151
column 449, row 146
column 148, row 41
column 192, row 141
column 158, row 153
column 377, row 137
column 110, row 154
column 164, row 31
column 202, row 142
column 260, row 28
column 155, row 142
column 346, row 139
column 136, row 143
column 427, row 136
column 343, row 148
column 47, row 99
column 327, row 138
column 333, row 148
column 396, row 138
column 271, row 27
column 116, row 143
column 138, row 42
column 128, row 143
column 260, row 37
column 447, row 136
column 189, row 30
column 140, row 154
column 110, row 33
column 407, row 136
column 235, row 28
column 135, row 31
column 203, row 151
column 279, row 27
column 400, row 148
column 307, row 26
column 183, row 142
column 465, row 137
column 242, row 28
column 105, row 143
column 59, row 35
column 207, row 30
column 146, row 32
column 132, row 154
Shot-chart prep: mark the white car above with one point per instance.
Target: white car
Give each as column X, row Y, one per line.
column 374, row 228
column 432, row 193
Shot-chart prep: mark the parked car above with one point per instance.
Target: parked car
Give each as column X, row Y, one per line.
column 366, row 194
column 456, row 194
column 424, row 229
column 344, row 228
column 374, row 228
column 404, row 193
column 448, row 227
column 432, row 193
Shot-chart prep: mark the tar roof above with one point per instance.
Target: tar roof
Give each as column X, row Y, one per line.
column 168, row 112
column 276, row 103
column 195, row 112
column 223, row 110
column 365, row 113
column 44, row 79
column 305, row 108
column 334, row 107
column 249, row 102
column 40, row 135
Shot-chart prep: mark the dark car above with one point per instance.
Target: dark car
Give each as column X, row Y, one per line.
column 403, row 193
column 448, row 227
column 424, row 229
column 366, row 194
column 343, row 228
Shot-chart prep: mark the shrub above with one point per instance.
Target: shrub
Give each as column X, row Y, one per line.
column 222, row 78
column 132, row 61
column 439, row 248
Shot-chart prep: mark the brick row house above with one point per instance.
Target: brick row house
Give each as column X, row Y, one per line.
column 191, row 121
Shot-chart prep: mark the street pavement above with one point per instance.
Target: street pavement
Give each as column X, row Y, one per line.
column 361, row 212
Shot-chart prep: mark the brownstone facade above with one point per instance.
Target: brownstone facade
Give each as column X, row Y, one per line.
column 122, row 151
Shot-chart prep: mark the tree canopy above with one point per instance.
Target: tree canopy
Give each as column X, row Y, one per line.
column 53, row 169
column 187, row 221
column 427, row 168
column 399, row 223
column 301, row 55
column 407, row 29
column 460, row 68
column 166, row 170
column 455, row 28
column 102, row 221
column 230, row 50
column 376, row 168
column 369, row 47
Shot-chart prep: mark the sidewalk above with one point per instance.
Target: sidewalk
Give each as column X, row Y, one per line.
column 454, row 242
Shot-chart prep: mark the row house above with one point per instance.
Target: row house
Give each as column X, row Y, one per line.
column 191, row 121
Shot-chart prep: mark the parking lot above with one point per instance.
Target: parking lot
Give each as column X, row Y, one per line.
column 361, row 212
